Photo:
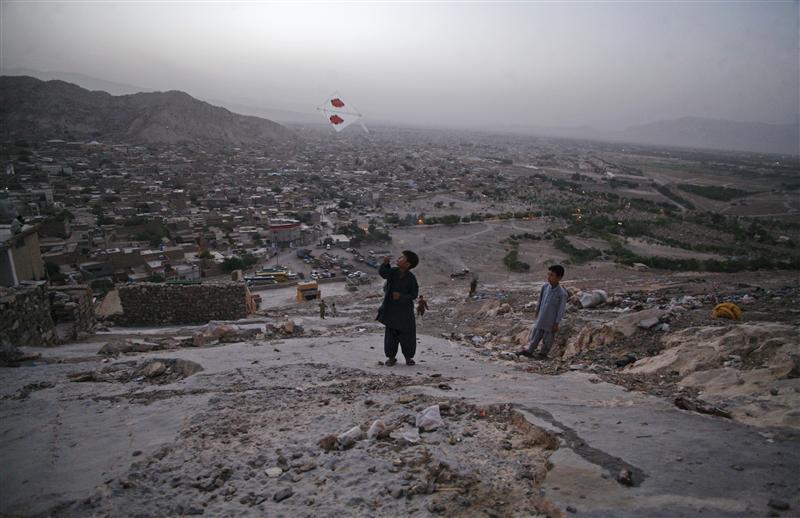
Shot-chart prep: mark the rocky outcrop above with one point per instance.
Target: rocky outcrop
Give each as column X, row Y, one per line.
column 702, row 348
column 603, row 335
column 752, row 370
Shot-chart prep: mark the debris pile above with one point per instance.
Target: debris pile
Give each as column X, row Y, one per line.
column 158, row 372
column 136, row 345
column 285, row 329
column 215, row 333
column 259, row 451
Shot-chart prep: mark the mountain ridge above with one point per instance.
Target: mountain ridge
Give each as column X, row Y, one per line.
column 34, row 109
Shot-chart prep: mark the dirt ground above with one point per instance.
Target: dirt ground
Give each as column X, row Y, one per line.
column 254, row 428
column 249, row 450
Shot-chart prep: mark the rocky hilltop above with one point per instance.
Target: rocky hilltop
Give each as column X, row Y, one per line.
column 33, row 109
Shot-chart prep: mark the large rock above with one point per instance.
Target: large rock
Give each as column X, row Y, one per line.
column 592, row 298
column 598, row 336
column 215, row 332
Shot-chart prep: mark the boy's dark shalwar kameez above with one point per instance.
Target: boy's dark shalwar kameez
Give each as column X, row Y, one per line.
column 398, row 315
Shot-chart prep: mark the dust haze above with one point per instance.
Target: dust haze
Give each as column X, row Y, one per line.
column 487, row 66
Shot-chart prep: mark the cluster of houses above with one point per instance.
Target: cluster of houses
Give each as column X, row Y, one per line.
column 126, row 213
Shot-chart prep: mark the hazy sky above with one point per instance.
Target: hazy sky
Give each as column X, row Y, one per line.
column 477, row 64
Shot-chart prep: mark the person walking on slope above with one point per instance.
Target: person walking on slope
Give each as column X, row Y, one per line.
column 397, row 310
column 473, row 285
column 549, row 312
column 322, row 308
column 422, row 306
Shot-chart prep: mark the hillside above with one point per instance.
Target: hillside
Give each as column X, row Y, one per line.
column 35, row 110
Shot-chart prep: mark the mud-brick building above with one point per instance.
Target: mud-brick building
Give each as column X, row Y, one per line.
column 20, row 257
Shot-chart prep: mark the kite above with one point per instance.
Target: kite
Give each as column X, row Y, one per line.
column 339, row 114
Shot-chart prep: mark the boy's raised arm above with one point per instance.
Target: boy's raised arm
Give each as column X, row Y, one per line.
column 385, row 269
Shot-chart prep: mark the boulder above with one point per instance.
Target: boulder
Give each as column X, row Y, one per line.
column 649, row 323
column 215, row 332
column 591, row 299
column 598, row 336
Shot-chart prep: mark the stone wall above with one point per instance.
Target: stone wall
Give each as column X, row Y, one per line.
column 25, row 317
column 73, row 305
column 155, row 304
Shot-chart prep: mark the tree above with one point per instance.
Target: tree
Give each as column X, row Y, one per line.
column 232, row 263
column 511, row 260
column 248, row 260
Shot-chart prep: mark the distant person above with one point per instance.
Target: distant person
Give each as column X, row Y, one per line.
column 333, row 309
column 322, row 308
column 473, row 286
column 397, row 310
column 549, row 312
column 422, row 306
